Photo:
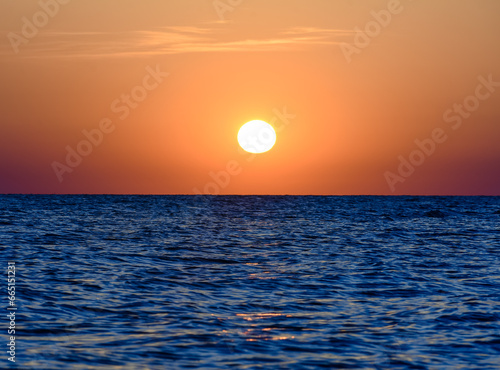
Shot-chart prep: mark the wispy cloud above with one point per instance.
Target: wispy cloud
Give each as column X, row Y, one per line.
column 323, row 32
column 171, row 40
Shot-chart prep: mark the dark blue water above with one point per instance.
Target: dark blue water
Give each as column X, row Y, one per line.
column 253, row 282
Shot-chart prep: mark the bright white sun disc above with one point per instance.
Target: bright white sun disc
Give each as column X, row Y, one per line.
column 256, row 136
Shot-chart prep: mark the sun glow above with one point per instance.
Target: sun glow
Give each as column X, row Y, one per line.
column 257, row 136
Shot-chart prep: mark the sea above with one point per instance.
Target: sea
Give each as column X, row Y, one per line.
column 250, row 282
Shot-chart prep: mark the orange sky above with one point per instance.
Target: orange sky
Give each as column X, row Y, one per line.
column 350, row 86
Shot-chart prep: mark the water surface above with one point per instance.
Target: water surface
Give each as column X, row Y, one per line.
column 254, row 282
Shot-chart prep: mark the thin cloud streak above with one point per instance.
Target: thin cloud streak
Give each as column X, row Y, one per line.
column 171, row 40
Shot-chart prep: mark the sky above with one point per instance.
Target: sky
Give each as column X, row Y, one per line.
column 147, row 97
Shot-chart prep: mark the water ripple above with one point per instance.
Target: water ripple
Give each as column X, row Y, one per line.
column 247, row 282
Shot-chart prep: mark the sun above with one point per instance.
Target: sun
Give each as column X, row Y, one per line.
column 257, row 136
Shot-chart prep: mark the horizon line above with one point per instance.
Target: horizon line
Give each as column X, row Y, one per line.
column 264, row 195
